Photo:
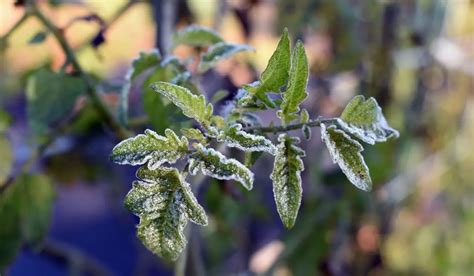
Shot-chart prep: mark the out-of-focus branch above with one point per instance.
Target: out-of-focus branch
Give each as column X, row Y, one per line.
column 92, row 93
column 20, row 22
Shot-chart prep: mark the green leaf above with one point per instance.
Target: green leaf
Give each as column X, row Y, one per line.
column 197, row 36
column 296, row 88
column 39, row 37
column 212, row 163
column 276, row 73
column 306, row 132
column 25, row 213
column 50, row 97
column 286, row 177
column 364, row 119
column 150, row 147
column 6, row 160
column 143, row 62
column 235, row 137
column 346, row 152
column 5, row 120
column 194, row 134
column 304, row 116
column 193, row 106
column 164, row 202
column 220, row 51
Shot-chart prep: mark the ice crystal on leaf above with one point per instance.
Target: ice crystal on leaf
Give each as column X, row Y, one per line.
column 235, row 137
column 164, row 202
column 346, row 152
column 364, row 119
column 212, row 163
column 152, row 148
column 286, row 177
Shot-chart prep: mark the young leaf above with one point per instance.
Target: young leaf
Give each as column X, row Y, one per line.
column 296, row 89
column 235, row 137
column 25, row 213
column 346, row 152
column 150, row 147
column 220, row 51
column 193, row 106
column 286, row 177
column 276, row 73
column 143, row 62
column 194, row 134
column 212, row 163
column 50, row 97
column 196, row 36
column 364, row 119
column 164, row 202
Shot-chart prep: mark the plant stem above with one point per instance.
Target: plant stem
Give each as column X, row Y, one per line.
column 16, row 26
column 275, row 129
column 103, row 111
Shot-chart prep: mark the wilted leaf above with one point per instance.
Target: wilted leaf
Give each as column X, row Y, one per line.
column 193, row 106
column 286, row 177
column 296, row 88
column 25, row 212
column 197, row 36
column 152, row 148
column 364, row 119
column 220, row 51
column 164, row 202
column 6, row 160
column 39, row 37
column 276, row 73
column 212, row 163
column 235, row 137
column 143, row 62
column 346, row 152
column 50, row 97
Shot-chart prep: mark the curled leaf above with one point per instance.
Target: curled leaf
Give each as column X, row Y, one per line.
column 346, row 152
column 364, row 119
column 197, row 36
column 150, row 147
column 212, row 163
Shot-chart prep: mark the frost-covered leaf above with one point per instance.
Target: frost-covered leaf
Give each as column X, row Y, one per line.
column 25, row 214
column 193, row 106
column 220, row 51
column 143, row 62
column 197, row 36
column 6, row 160
column 276, row 73
column 286, row 177
column 346, row 152
column 150, row 147
column 194, row 134
column 50, row 97
column 164, row 202
column 364, row 119
column 235, row 137
column 306, row 132
column 212, row 163
column 296, row 88
column 304, row 116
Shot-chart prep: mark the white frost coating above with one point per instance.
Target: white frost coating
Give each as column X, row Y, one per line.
column 150, row 147
column 237, row 138
column 212, row 163
column 286, row 177
column 360, row 179
column 191, row 207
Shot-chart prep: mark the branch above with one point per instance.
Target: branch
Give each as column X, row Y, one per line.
column 103, row 111
column 20, row 22
column 276, row 129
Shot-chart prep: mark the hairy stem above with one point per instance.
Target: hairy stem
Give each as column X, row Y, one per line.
column 276, row 129
column 103, row 111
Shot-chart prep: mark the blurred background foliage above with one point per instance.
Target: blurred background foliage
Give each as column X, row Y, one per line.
column 416, row 57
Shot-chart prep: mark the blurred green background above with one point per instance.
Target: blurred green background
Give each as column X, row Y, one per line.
column 416, row 57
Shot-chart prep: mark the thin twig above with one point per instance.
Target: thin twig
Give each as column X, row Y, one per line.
column 276, row 129
column 103, row 111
